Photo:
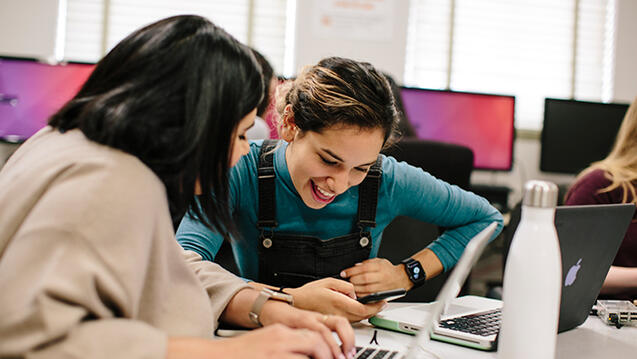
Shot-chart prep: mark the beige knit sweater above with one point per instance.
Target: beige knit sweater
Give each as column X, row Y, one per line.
column 89, row 264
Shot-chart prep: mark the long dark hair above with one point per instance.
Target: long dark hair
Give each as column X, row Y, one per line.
column 172, row 94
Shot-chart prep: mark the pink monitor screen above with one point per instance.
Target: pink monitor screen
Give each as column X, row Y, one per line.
column 31, row 91
column 482, row 122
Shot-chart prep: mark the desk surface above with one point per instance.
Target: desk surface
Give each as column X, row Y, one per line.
column 593, row 339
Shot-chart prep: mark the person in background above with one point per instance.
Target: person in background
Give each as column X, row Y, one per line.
column 261, row 130
column 405, row 128
column 311, row 209
column 613, row 180
column 89, row 264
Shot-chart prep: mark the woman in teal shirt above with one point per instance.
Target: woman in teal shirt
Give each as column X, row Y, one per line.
column 315, row 205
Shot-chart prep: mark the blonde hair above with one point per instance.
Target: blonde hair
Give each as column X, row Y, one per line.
column 338, row 91
column 620, row 166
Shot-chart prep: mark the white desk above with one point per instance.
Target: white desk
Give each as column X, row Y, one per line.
column 593, row 339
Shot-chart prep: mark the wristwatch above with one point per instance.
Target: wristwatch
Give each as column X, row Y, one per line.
column 414, row 271
column 263, row 296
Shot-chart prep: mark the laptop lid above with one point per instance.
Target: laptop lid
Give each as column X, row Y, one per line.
column 452, row 287
column 589, row 237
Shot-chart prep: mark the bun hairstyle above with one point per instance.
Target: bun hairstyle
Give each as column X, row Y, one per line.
column 339, row 91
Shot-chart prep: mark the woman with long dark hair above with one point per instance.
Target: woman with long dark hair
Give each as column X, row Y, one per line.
column 89, row 264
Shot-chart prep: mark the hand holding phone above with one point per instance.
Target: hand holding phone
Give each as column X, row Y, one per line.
column 387, row 295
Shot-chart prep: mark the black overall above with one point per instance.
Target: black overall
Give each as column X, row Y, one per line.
column 291, row 260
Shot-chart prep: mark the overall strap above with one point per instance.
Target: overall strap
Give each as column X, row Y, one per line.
column 267, row 178
column 368, row 195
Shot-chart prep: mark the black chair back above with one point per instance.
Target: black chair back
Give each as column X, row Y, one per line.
column 448, row 162
column 405, row 236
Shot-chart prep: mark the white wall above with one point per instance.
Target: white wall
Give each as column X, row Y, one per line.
column 626, row 52
column 28, row 28
column 376, row 32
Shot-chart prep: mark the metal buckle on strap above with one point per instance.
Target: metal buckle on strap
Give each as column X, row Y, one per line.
column 267, row 223
column 366, row 223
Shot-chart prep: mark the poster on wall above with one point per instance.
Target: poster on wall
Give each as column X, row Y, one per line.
column 369, row 20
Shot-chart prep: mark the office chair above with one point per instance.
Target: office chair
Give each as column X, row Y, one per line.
column 405, row 236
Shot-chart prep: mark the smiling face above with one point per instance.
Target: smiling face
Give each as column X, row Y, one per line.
column 326, row 164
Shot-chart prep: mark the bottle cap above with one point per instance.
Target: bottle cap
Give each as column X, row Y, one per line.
column 541, row 194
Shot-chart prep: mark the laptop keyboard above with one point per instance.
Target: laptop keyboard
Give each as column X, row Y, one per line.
column 375, row 353
column 483, row 324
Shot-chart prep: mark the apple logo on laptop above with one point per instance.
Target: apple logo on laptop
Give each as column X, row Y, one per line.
column 572, row 273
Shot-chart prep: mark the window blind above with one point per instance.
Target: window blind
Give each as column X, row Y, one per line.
column 83, row 35
column 428, row 42
column 524, row 48
column 269, row 27
column 595, row 50
column 128, row 15
column 88, row 37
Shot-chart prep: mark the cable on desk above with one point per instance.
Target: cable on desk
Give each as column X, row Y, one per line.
column 374, row 338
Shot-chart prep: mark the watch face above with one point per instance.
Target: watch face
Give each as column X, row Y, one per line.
column 416, row 272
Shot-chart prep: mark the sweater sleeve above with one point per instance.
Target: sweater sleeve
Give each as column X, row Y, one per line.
column 220, row 284
column 67, row 303
column 417, row 194
column 73, row 273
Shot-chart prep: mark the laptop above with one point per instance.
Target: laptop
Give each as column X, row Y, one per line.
column 589, row 239
column 425, row 318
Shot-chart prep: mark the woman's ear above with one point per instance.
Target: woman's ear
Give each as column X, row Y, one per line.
column 288, row 127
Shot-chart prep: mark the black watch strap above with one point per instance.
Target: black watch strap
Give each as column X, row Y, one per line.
column 415, row 272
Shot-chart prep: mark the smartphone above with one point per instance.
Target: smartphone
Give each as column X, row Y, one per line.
column 386, row 295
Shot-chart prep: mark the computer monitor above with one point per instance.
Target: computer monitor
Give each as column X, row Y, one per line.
column 32, row 91
column 577, row 133
column 482, row 122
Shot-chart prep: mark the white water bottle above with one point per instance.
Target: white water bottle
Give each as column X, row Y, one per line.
column 532, row 279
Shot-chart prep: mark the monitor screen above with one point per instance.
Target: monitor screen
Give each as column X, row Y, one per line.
column 31, row 91
column 482, row 122
column 577, row 133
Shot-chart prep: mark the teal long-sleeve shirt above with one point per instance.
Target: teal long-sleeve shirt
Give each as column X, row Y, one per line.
column 405, row 191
